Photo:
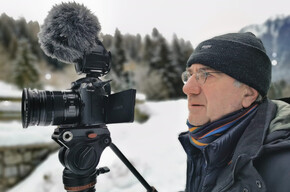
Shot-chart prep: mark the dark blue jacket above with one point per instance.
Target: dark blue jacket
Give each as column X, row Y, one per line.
column 256, row 158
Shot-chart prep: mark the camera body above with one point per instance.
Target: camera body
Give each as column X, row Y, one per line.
column 89, row 102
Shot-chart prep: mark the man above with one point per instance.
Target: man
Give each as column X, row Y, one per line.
column 238, row 140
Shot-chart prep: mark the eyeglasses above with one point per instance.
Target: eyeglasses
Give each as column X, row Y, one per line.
column 200, row 76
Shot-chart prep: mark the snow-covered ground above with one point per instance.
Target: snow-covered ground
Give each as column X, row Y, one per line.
column 152, row 147
column 9, row 90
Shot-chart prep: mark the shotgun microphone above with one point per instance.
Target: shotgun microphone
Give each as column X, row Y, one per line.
column 69, row 31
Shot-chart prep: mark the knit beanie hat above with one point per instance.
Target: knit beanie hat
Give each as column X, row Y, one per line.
column 239, row 55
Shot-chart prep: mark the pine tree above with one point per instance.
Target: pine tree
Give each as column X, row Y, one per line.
column 187, row 49
column 177, row 65
column 147, row 52
column 22, row 31
column 180, row 52
column 155, row 46
column 25, row 72
column 6, row 30
column 138, row 44
column 13, row 46
column 159, row 65
column 132, row 45
column 33, row 29
column 118, row 53
column 155, row 34
column 118, row 61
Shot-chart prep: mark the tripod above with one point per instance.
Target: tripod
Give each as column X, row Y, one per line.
column 80, row 152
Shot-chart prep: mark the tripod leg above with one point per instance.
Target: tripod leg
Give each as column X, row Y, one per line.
column 132, row 168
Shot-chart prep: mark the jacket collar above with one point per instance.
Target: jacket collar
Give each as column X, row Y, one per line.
column 256, row 132
column 219, row 152
column 250, row 144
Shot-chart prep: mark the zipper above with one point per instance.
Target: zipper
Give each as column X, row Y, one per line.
column 204, row 170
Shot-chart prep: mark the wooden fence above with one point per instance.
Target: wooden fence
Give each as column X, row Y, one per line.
column 8, row 113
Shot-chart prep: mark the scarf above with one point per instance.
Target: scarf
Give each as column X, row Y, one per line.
column 203, row 135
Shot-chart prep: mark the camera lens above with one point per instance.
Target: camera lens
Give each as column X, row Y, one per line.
column 49, row 107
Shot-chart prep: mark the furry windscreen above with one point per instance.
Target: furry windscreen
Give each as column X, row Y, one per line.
column 69, row 30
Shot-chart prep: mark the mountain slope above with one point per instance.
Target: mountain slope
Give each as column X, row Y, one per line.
column 275, row 34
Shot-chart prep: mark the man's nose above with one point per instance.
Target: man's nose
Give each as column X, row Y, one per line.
column 191, row 86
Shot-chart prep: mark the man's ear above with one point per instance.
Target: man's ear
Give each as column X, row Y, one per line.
column 250, row 95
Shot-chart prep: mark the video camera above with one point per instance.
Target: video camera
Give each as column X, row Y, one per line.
column 70, row 34
column 88, row 102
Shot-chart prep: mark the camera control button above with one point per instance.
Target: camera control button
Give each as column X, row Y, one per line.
column 92, row 135
column 67, row 136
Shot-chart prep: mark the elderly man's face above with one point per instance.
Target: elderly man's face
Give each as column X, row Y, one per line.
column 215, row 98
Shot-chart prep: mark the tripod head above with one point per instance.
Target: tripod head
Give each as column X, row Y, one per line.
column 80, row 152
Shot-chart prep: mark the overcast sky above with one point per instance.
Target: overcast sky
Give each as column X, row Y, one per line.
column 190, row 19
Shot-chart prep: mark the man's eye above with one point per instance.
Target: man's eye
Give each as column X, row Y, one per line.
column 208, row 74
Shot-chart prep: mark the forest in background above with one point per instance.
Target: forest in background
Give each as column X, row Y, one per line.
column 150, row 64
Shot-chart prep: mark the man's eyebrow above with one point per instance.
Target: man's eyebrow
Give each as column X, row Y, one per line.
column 208, row 69
column 205, row 68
